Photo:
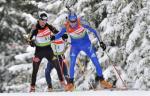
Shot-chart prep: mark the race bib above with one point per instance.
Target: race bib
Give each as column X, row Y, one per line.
column 43, row 37
column 79, row 33
column 58, row 46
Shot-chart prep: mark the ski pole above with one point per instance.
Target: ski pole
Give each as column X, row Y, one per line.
column 114, row 66
column 59, row 63
column 116, row 69
column 65, row 63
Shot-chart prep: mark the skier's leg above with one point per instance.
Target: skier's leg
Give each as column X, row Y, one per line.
column 58, row 69
column 54, row 62
column 47, row 74
column 64, row 68
column 91, row 53
column 36, row 63
column 73, row 55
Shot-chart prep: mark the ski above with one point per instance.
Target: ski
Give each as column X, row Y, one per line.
column 112, row 89
column 95, row 89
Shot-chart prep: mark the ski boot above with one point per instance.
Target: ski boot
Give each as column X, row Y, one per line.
column 63, row 84
column 50, row 89
column 70, row 85
column 103, row 82
column 32, row 88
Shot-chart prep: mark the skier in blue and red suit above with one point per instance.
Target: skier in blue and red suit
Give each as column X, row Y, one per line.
column 80, row 42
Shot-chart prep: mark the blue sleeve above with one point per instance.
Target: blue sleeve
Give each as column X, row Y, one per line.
column 59, row 35
column 92, row 30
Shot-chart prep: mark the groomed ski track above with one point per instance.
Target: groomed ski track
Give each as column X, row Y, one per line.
column 83, row 93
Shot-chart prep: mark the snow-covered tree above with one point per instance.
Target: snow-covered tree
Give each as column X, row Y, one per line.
column 122, row 24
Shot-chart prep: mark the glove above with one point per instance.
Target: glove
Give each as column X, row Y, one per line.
column 65, row 36
column 103, row 46
column 52, row 38
column 32, row 43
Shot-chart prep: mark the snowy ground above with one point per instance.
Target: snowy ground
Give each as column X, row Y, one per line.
column 83, row 93
column 125, row 30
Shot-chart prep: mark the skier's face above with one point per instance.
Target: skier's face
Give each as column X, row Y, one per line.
column 42, row 22
column 73, row 24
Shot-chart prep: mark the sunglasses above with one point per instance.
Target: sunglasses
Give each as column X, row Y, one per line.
column 73, row 21
column 44, row 20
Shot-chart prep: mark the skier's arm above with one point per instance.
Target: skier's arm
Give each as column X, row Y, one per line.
column 33, row 32
column 53, row 29
column 92, row 30
column 60, row 34
column 97, row 35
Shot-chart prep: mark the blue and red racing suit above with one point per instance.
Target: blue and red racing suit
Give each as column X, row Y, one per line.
column 80, row 42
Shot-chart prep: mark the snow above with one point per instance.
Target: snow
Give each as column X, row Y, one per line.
column 17, row 86
column 79, row 5
column 1, row 9
column 30, row 49
column 29, row 18
column 138, row 83
column 41, row 5
column 5, row 24
column 82, row 93
column 41, row 81
column 111, row 72
column 113, row 53
column 2, row 1
column 127, row 21
column 18, row 27
column 104, row 23
column 145, row 43
column 127, row 9
column 24, row 56
column 29, row 54
column 53, row 6
column 133, row 38
column 59, row 21
column 19, row 68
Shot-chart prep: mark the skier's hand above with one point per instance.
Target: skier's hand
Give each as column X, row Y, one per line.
column 52, row 38
column 64, row 37
column 32, row 43
column 103, row 46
